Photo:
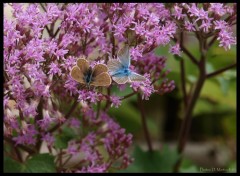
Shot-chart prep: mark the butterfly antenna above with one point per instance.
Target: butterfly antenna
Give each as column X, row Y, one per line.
column 82, row 86
column 88, row 86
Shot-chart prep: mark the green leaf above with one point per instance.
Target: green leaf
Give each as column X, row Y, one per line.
column 190, row 169
column 41, row 163
column 145, row 161
column 177, row 57
column 229, row 125
column 12, row 166
column 209, row 67
column 191, row 78
column 224, row 84
column 61, row 140
column 187, row 166
column 232, row 168
column 226, row 79
column 212, row 90
column 127, row 116
column 230, row 74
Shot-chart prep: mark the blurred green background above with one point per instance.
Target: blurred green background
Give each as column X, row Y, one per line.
column 212, row 139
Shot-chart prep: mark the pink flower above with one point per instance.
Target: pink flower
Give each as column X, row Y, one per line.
column 178, row 13
column 206, row 24
column 175, row 49
column 226, row 39
column 49, row 139
column 73, row 122
column 93, row 169
column 144, row 87
column 189, row 26
column 54, row 69
column 115, row 101
column 72, row 148
column 85, row 95
column 217, row 8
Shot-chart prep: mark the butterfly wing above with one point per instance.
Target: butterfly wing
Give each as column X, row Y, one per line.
column 114, row 65
column 99, row 68
column 120, row 79
column 103, row 79
column 83, row 65
column 136, row 77
column 77, row 74
column 124, row 56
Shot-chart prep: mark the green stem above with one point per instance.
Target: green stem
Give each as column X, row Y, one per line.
column 191, row 57
column 98, row 109
column 129, row 95
column 186, row 124
column 37, row 118
column 210, row 75
column 144, row 123
column 183, row 81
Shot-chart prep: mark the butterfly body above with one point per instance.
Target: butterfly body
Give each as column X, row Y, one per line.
column 119, row 68
column 88, row 77
column 123, row 71
column 96, row 76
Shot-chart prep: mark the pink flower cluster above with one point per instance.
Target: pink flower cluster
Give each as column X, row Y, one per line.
column 106, row 132
column 43, row 42
column 209, row 19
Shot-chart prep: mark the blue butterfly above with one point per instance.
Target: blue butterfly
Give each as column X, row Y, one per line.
column 119, row 68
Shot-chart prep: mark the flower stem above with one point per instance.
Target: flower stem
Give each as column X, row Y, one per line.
column 23, row 147
column 18, row 153
column 98, row 109
column 221, row 70
column 144, row 123
column 192, row 58
column 108, row 103
column 67, row 116
column 128, row 95
column 187, row 119
column 186, row 124
column 183, row 81
column 37, row 118
column 182, row 68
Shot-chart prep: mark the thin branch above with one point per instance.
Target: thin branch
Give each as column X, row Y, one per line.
column 52, row 29
column 186, row 124
column 66, row 161
column 221, row 70
column 98, row 109
column 25, row 148
column 212, row 42
column 39, row 117
column 66, row 117
column 183, row 81
column 129, row 95
column 144, row 123
column 55, row 34
column 192, row 58
column 113, row 45
column 18, row 153
column 108, row 99
column 187, row 120
column 43, row 7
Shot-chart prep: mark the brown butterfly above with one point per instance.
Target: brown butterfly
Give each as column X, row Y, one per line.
column 96, row 76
